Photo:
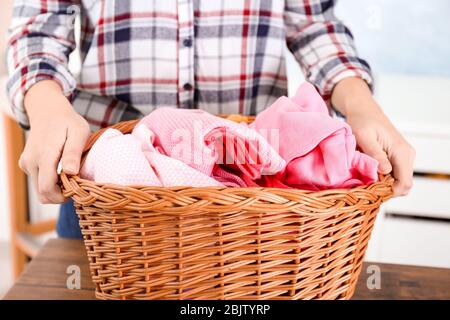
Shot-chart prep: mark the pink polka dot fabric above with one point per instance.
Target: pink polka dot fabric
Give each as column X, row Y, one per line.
column 117, row 158
column 131, row 160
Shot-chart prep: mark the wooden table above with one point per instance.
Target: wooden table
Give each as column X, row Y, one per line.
column 45, row 277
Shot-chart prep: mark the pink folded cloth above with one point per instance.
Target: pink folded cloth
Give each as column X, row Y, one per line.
column 320, row 151
column 219, row 148
column 131, row 159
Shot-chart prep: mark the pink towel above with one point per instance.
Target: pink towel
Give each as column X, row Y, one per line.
column 320, row 151
column 219, row 148
column 131, row 159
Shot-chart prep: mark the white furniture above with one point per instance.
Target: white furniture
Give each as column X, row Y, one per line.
column 416, row 229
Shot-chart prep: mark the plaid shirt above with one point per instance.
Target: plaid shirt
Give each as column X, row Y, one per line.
column 220, row 56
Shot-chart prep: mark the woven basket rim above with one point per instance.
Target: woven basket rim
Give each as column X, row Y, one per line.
column 383, row 181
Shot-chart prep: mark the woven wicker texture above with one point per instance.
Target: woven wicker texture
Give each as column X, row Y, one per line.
column 224, row 243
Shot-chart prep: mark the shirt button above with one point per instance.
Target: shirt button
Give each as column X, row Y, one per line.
column 187, row 42
column 187, row 86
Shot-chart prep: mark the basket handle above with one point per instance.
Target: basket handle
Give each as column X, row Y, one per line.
column 384, row 186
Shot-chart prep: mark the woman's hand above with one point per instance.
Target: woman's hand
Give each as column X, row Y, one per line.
column 57, row 133
column 374, row 132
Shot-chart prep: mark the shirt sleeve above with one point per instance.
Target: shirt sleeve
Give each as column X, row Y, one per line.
column 322, row 45
column 41, row 37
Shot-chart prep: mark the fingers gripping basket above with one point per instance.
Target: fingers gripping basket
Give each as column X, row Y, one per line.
column 223, row 243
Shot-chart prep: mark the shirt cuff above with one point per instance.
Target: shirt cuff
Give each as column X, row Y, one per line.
column 25, row 76
column 333, row 71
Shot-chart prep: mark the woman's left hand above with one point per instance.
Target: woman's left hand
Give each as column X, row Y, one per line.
column 374, row 132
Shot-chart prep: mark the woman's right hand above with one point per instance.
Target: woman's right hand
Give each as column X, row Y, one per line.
column 57, row 132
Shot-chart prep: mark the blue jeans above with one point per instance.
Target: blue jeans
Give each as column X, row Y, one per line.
column 67, row 225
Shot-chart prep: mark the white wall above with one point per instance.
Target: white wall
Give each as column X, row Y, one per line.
column 4, row 205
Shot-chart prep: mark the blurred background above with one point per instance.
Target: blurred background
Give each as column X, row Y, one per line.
column 406, row 43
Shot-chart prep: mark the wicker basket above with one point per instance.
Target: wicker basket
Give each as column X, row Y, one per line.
column 223, row 243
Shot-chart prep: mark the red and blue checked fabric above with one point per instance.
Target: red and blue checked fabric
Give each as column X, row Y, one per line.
column 220, row 56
